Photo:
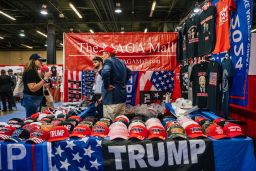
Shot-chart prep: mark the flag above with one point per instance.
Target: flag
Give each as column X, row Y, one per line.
column 76, row 154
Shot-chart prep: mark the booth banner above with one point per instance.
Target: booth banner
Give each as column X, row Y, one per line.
column 140, row 51
column 158, row 155
column 131, row 88
column 23, row 156
column 241, row 26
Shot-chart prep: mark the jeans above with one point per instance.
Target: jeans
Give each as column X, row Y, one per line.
column 31, row 104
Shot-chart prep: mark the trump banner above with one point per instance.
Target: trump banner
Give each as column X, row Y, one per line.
column 140, row 52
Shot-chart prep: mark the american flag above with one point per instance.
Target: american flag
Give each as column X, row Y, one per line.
column 80, row 84
column 163, row 80
column 76, row 154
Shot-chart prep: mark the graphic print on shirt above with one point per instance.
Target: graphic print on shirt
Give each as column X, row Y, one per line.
column 202, row 84
column 224, row 15
column 213, row 78
column 225, row 85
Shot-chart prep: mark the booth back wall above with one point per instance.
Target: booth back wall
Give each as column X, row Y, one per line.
column 21, row 57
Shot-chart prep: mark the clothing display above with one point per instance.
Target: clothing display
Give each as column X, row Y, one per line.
column 224, row 7
column 177, row 89
column 179, row 50
column 184, row 80
column 227, row 77
column 190, row 91
column 206, row 29
column 200, row 83
column 184, row 43
column 191, row 32
column 214, row 75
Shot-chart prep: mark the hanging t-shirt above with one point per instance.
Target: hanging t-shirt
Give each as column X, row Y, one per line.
column 54, row 71
column 179, row 48
column 191, row 30
column 227, row 77
column 184, row 43
column 176, row 90
column 224, row 7
column 206, row 29
column 214, row 86
column 199, row 80
column 190, row 91
column 184, row 81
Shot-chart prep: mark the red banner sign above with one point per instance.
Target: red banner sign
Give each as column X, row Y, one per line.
column 140, row 51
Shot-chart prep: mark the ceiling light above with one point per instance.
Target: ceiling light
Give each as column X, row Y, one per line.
column 1, row 37
column 22, row 34
column 253, row 30
column 44, row 10
column 75, row 10
column 146, row 30
column 39, row 32
column 152, row 9
column 118, row 9
column 122, row 32
column 27, row 46
column 12, row 18
column 61, row 44
column 45, row 45
column 197, row 8
column 61, row 15
column 91, row 31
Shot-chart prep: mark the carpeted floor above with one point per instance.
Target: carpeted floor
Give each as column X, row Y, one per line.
column 20, row 113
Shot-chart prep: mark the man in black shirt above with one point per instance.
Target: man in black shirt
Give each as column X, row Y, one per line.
column 206, row 29
column 5, row 90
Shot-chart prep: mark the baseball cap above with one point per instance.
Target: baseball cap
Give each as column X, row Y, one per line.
column 200, row 120
column 220, row 121
column 168, row 119
column 3, row 124
column 157, row 132
column 29, row 120
column 56, row 122
column 118, row 131
column 233, row 130
column 46, row 119
column 122, row 118
column 169, row 124
column 35, row 115
column 58, row 133
column 214, row 131
column 76, row 118
column 38, row 136
column 31, row 127
column 109, row 50
column 81, row 131
column 16, row 122
column 107, row 120
column 47, row 126
column 194, row 131
column 73, row 121
column 18, row 135
column 37, row 57
column 176, row 132
column 68, row 125
column 152, row 120
column 6, row 132
column 135, row 123
column 86, row 123
column 100, row 130
column 137, row 131
column 41, row 116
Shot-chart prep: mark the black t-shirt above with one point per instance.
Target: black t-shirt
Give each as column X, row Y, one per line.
column 214, row 75
column 54, row 71
column 206, row 29
column 184, row 43
column 179, row 50
column 191, row 31
column 199, row 86
column 184, row 81
column 31, row 76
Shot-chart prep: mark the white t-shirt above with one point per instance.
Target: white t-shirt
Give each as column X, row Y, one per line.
column 97, row 87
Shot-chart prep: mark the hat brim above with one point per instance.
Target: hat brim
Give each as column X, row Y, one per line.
column 197, row 136
column 137, row 136
column 4, row 137
column 118, row 136
column 236, row 135
column 35, row 140
column 13, row 139
column 57, row 139
column 218, row 137
column 177, row 136
column 151, row 136
column 79, row 135
column 99, row 135
column 42, row 59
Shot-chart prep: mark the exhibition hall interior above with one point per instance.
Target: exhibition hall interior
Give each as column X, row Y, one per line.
column 127, row 85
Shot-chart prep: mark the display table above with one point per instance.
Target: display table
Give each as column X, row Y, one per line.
column 229, row 154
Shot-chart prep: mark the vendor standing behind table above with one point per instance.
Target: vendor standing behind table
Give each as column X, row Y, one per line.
column 5, row 90
column 115, row 75
column 33, row 84
column 97, row 86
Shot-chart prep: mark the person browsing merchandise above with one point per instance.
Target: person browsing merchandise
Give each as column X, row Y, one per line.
column 5, row 90
column 115, row 75
column 33, row 84
column 97, row 86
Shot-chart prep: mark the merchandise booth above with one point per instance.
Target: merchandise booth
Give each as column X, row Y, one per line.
column 184, row 109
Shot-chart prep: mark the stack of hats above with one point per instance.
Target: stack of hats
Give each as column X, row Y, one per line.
column 118, row 129
column 137, row 128
column 155, row 129
column 101, row 128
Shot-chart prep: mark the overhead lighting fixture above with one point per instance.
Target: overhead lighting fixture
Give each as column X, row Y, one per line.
column 8, row 16
column 197, row 9
column 122, row 32
column 1, row 37
column 39, row 32
column 152, row 9
column 27, row 46
column 22, row 34
column 44, row 10
column 146, row 30
column 118, row 9
column 91, row 31
column 45, row 45
column 61, row 44
column 253, row 30
column 75, row 10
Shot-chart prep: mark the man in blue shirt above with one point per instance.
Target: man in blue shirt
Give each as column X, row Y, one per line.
column 115, row 75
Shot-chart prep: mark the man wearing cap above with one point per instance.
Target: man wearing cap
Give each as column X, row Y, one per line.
column 33, row 84
column 97, row 87
column 115, row 75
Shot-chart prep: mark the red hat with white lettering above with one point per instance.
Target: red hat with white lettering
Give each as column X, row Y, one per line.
column 78, row 118
column 38, row 136
column 138, row 131
column 81, row 131
column 6, row 132
column 157, row 132
column 58, row 133
column 215, row 131
column 194, row 131
column 233, row 130
column 100, row 130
